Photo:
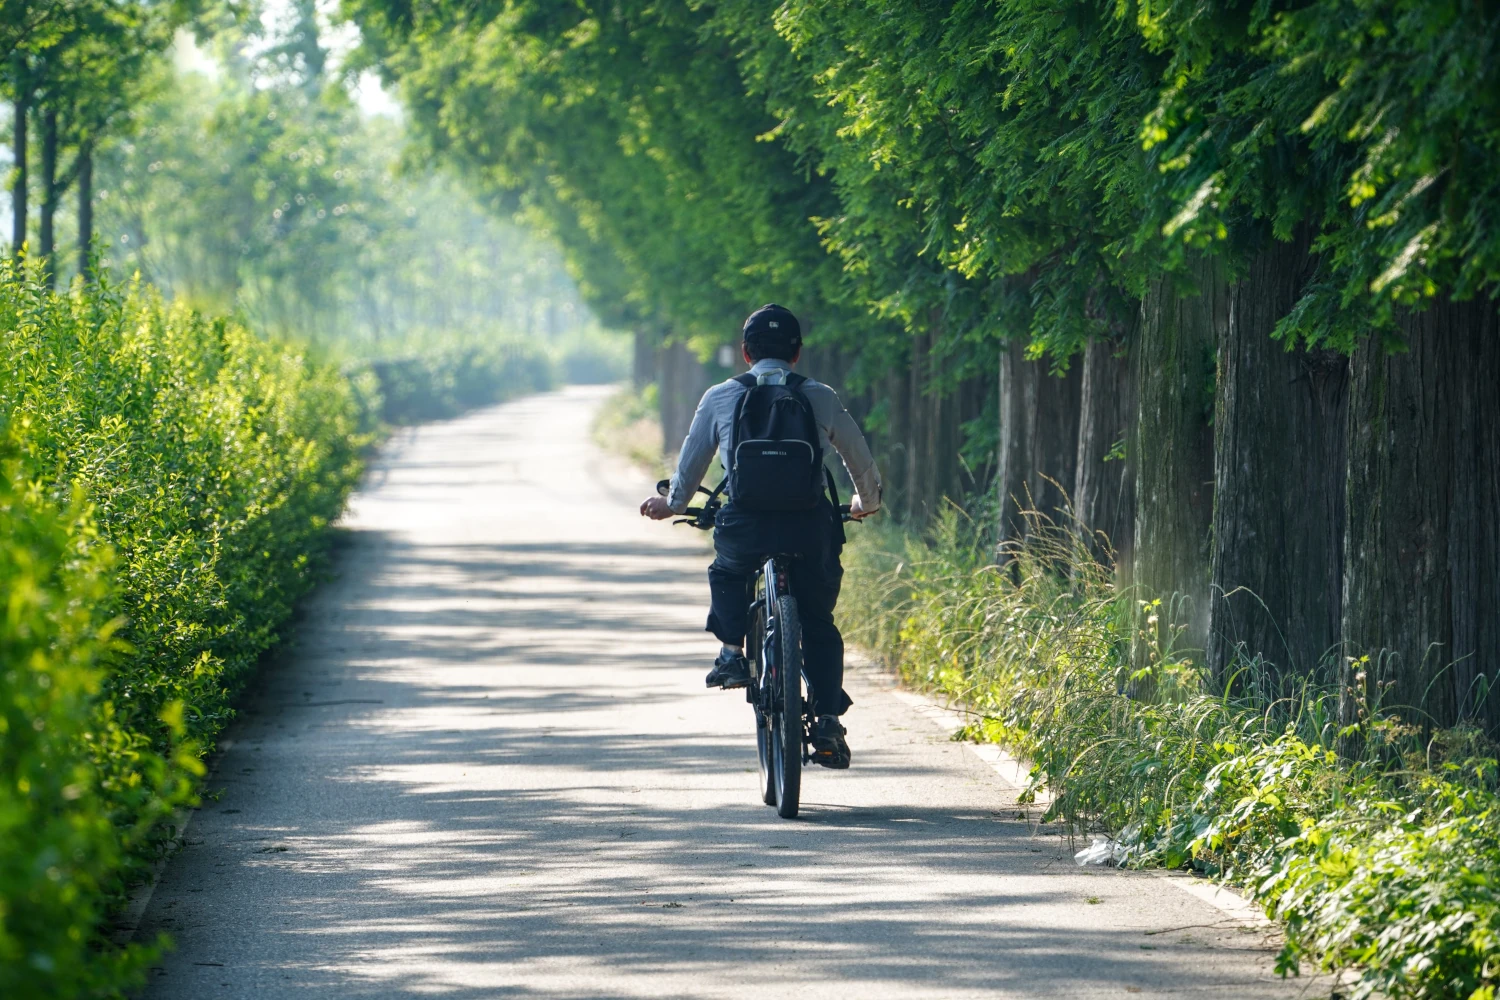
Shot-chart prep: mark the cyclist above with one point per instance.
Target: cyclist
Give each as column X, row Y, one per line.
column 772, row 344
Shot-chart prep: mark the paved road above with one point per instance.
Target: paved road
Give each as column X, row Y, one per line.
column 487, row 767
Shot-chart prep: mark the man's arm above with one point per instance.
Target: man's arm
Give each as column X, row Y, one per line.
column 847, row 439
column 696, row 456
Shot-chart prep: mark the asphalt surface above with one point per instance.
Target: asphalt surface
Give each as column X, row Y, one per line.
column 487, row 767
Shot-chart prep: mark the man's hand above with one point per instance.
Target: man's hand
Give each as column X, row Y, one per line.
column 857, row 510
column 656, row 508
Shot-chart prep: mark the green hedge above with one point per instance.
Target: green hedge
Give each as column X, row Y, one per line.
column 1375, row 845
column 446, row 382
column 168, row 482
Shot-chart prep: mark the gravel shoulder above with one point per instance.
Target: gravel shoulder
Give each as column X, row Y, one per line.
column 487, row 766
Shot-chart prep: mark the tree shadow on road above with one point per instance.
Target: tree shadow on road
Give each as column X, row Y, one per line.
column 433, row 793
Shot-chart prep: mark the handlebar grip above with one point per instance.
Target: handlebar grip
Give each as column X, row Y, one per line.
column 844, row 514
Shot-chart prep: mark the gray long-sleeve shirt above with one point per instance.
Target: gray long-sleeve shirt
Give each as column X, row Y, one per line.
column 713, row 427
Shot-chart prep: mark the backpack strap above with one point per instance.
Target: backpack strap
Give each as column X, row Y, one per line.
column 795, row 382
column 720, row 489
column 749, row 381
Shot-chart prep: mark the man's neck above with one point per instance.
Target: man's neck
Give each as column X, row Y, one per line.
column 767, row 364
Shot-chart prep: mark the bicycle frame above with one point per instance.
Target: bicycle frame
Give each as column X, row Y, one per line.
column 762, row 594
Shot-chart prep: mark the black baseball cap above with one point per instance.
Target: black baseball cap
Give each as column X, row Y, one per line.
column 773, row 326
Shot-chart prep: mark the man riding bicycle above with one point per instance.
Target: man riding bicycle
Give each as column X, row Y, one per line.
column 745, row 533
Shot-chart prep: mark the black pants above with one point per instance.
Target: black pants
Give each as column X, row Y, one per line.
column 742, row 541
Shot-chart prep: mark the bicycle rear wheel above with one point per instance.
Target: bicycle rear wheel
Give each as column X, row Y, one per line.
column 786, row 720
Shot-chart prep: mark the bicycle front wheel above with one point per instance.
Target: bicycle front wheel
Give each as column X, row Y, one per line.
column 786, row 721
column 765, row 736
column 760, row 656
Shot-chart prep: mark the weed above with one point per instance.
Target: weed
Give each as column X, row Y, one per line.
column 1386, row 859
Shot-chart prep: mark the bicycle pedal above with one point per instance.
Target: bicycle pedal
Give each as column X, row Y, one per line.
column 827, row 758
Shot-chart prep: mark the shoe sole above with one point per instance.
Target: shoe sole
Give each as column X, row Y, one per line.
column 732, row 686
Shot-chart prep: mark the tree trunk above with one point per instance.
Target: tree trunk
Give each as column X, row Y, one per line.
column 1173, row 453
column 1422, row 553
column 86, row 210
column 45, row 241
column 1279, row 432
column 896, row 447
column 18, row 189
column 1038, row 454
column 1104, row 487
column 978, row 401
column 642, row 359
column 681, row 381
column 1011, row 460
column 915, row 417
column 933, row 470
column 917, row 491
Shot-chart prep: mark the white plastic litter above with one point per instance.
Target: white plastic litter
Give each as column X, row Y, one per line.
column 1103, row 851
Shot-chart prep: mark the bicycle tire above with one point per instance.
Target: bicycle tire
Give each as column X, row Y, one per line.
column 763, row 752
column 786, row 731
column 767, row 764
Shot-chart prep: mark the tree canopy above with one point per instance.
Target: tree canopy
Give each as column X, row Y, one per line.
column 987, row 169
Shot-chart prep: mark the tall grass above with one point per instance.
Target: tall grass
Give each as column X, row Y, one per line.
column 1388, row 863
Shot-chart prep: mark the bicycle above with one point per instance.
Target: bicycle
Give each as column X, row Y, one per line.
column 773, row 645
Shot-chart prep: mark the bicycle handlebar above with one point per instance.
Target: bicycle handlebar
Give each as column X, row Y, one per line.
column 702, row 518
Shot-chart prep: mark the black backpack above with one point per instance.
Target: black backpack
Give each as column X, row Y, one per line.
column 776, row 449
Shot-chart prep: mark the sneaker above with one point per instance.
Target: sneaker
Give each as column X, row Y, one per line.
column 829, row 747
column 731, row 670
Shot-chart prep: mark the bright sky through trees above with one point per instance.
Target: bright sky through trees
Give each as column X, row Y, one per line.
column 260, row 177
